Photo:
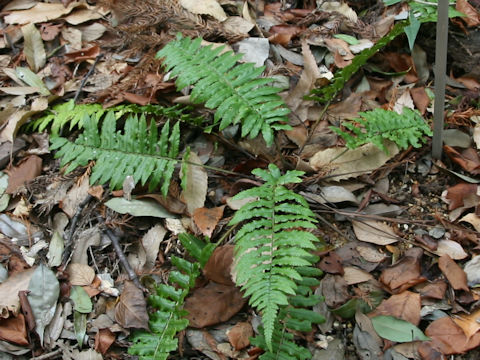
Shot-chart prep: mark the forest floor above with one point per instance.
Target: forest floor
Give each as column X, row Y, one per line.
column 400, row 230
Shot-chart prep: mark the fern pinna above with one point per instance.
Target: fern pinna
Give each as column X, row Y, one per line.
column 272, row 246
column 236, row 91
column 138, row 151
column 379, row 125
column 169, row 317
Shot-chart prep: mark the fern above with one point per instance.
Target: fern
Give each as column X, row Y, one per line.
column 69, row 113
column 236, row 91
column 378, row 125
column 200, row 250
column 138, row 151
column 272, row 245
column 169, row 317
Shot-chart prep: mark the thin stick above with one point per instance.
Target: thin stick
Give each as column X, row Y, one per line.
column 84, row 80
column 440, row 77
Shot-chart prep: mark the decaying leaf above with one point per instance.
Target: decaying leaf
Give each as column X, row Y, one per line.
column 25, row 171
column 449, row 338
column 197, row 183
column 33, row 47
column 219, row 265
column 405, row 305
column 205, row 7
column 131, row 309
column 239, row 336
column 374, row 232
column 454, row 273
column 207, row 219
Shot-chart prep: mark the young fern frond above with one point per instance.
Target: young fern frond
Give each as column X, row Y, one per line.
column 169, row 318
column 138, row 151
column 235, row 90
column 70, row 114
column 272, row 245
column 379, row 125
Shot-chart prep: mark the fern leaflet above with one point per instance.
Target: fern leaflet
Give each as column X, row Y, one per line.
column 138, row 151
column 169, row 318
column 236, row 91
column 272, row 245
column 378, row 125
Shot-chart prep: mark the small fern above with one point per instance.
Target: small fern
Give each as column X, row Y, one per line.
column 378, row 125
column 236, row 91
column 70, row 114
column 169, row 317
column 138, row 151
column 272, row 245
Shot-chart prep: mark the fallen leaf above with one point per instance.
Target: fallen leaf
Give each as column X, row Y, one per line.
column 470, row 323
column 449, row 338
column 468, row 159
column 207, row 219
column 472, row 269
column 103, row 340
column 420, row 99
column 41, row 12
column 151, row 243
column 83, row 15
column 450, row 248
column 335, row 290
column 456, row 194
column 353, row 275
column 213, row 304
column 406, row 306
column 50, row 31
column 406, row 272
column 195, row 191
column 33, row 47
column 9, row 301
column 472, row 17
column 239, row 335
column 219, row 265
column 80, row 274
column 332, row 264
column 342, row 163
column 74, row 197
column 238, row 25
column 283, row 33
column 27, row 170
column 14, row 330
column 205, row 7
column 454, row 273
column 138, row 207
column 434, row 290
column 374, row 232
column 83, row 54
column 131, row 309
column 473, row 220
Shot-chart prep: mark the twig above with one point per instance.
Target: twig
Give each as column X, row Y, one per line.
column 123, row 260
column 47, row 355
column 84, row 80
column 317, row 122
column 67, row 253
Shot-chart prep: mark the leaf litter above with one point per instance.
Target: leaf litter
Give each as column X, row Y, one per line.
column 384, row 270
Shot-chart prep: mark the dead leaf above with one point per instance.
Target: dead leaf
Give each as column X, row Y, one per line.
column 69, row 204
column 473, row 220
column 238, row 25
column 403, row 274
column 219, row 265
column 14, row 330
column 468, row 159
column 456, row 194
column 472, row 17
column 454, row 273
column 420, row 99
column 213, row 304
column 434, row 290
column 283, row 33
column 151, row 243
column 207, row 219
column 83, row 54
column 332, row 264
column 27, row 170
column 450, row 248
column 352, row 275
column 83, row 15
column 205, row 7
column 449, row 338
column 80, row 274
column 341, row 163
column 406, row 306
column 335, row 290
column 195, row 192
column 239, row 335
column 103, row 340
column 33, row 47
column 50, row 31
column 41, row 12
column 131, row 309
column 9, row 301
column 374, row 232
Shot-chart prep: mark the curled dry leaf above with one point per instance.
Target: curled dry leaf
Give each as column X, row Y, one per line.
column 449, row 338
column 403, row 274
column 239, row 335
column 454, row 273
column 14, row 330
column 468, row 159
column 207, row 219
column 131, row 309
column 103, row 340
column 219, row 265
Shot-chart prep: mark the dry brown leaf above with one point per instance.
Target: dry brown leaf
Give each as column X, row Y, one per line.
column 131, row 309
column 69, row 204
column 405, row 305
column 470, row 324
column 374, row 232
column 473, row 220
column 468, row 159
column 80, row 274
column 420, row 98
column 41, row 12
column 450, row 248
column 472, row 17
column 14, row 330
column 456, row 194
column 28, row 169
column 83, row 54
column 195, row 191
column 352, row 275
column 335, row 290
column 219, row 265
column 207, row 219
column 205, row 7
column 103, row 340
column 406, row 271
column 239, row 335
column 9, row 301
column 283, row 33
column 434, row 290
column 213, row 304
column 449, row 338
column 454, row 273
column 332, row 264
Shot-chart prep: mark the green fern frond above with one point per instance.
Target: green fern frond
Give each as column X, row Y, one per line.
column 138, row 151
column 272, row 245
column 70, row 114
column 379, row 125
column 199, row 249
column 169, row 318
column 235, row 90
